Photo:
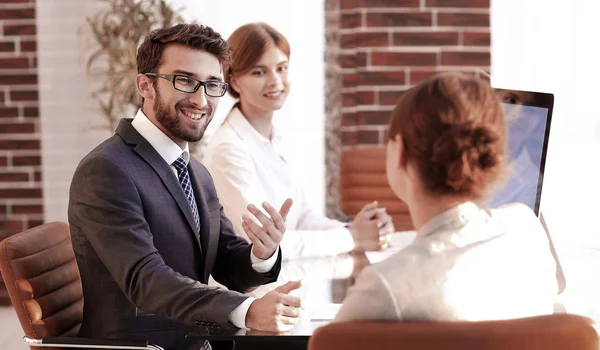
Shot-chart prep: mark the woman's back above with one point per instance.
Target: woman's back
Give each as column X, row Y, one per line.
column 465, row 264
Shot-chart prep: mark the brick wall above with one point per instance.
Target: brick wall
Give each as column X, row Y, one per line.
column 388, row 46
column 383, row 47
column 21, row 205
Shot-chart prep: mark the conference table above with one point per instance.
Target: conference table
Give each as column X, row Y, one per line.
column 325, row 281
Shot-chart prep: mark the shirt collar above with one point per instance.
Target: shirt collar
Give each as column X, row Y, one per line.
column 455, row 217
column 166, row 148
column 243, row 127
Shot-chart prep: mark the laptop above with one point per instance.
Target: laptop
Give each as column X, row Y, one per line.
column 528, row 116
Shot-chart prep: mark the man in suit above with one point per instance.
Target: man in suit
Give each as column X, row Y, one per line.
column 146, row 224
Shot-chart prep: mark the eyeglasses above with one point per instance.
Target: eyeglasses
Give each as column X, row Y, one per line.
column 187, row 84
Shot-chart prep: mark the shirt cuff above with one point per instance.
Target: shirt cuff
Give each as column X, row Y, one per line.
column 237, row 317
column 264, row 266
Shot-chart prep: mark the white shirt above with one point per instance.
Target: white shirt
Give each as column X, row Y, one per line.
column 170, row 151
column 248, row 168
column 467, row 263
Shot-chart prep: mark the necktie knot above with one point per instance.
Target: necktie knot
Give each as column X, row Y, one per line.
column 179, row 164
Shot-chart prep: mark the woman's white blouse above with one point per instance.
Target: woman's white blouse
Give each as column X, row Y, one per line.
column 248, row 168
column 467, row 263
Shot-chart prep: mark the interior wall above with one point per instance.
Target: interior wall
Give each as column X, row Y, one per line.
column 71, row 124
column 549, row 46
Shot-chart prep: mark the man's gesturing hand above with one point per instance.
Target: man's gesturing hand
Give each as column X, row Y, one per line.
column 265, row 239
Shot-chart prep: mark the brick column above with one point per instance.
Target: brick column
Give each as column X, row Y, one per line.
column 21, row 204
column 333, row 105
column 387, row 46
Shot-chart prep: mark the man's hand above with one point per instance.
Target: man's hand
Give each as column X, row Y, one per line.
column 277, row 311
column 265, row 239
column 370, row 228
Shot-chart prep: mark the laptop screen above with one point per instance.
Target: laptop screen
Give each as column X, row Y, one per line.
column 528, row 115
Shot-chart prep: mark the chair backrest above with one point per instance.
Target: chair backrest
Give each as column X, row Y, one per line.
column 4, row 298
column 363, row 180
column 550, row 332
column 42, row 278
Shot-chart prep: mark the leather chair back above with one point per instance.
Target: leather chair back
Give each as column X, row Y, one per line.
column 549, row 332
column 41, row 275
column 363, row 180
column 4, row 298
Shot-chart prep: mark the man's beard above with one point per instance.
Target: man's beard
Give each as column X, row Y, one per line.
column 175, row 125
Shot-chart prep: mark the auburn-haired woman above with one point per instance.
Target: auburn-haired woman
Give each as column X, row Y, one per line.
column 445, row 155
column 248, row 166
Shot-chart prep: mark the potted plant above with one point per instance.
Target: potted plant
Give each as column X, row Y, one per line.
column 116, row 32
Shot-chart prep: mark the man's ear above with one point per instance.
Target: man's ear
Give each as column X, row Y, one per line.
column 144, row 86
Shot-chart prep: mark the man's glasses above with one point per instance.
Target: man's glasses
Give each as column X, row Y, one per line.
column 187, row 84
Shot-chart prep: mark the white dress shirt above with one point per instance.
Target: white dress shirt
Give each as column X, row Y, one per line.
column 170, row 151
column 248, row 168
column 467, row 263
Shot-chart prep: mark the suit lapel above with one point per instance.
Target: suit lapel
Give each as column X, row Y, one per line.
column 203, row 210
column 164, row 170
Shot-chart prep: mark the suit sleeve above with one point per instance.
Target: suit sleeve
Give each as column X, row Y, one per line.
column 106, row 211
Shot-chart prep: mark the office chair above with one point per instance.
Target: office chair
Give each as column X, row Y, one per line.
column 44, row 285
column 549, row 332
column 4, row 298
column 363, row 180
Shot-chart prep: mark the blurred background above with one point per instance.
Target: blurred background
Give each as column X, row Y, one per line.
column 350, row 61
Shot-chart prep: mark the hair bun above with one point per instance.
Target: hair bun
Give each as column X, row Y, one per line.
column 467, row 152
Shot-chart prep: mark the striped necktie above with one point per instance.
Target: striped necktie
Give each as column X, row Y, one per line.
column 186, row 185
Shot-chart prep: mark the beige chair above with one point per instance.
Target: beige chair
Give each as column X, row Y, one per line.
column 551, row 332
column 43, row 282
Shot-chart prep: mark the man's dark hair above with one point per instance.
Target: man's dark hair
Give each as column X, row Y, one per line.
column 194, row 36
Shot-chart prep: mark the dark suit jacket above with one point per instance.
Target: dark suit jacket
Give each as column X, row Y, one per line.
column 143, row 267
